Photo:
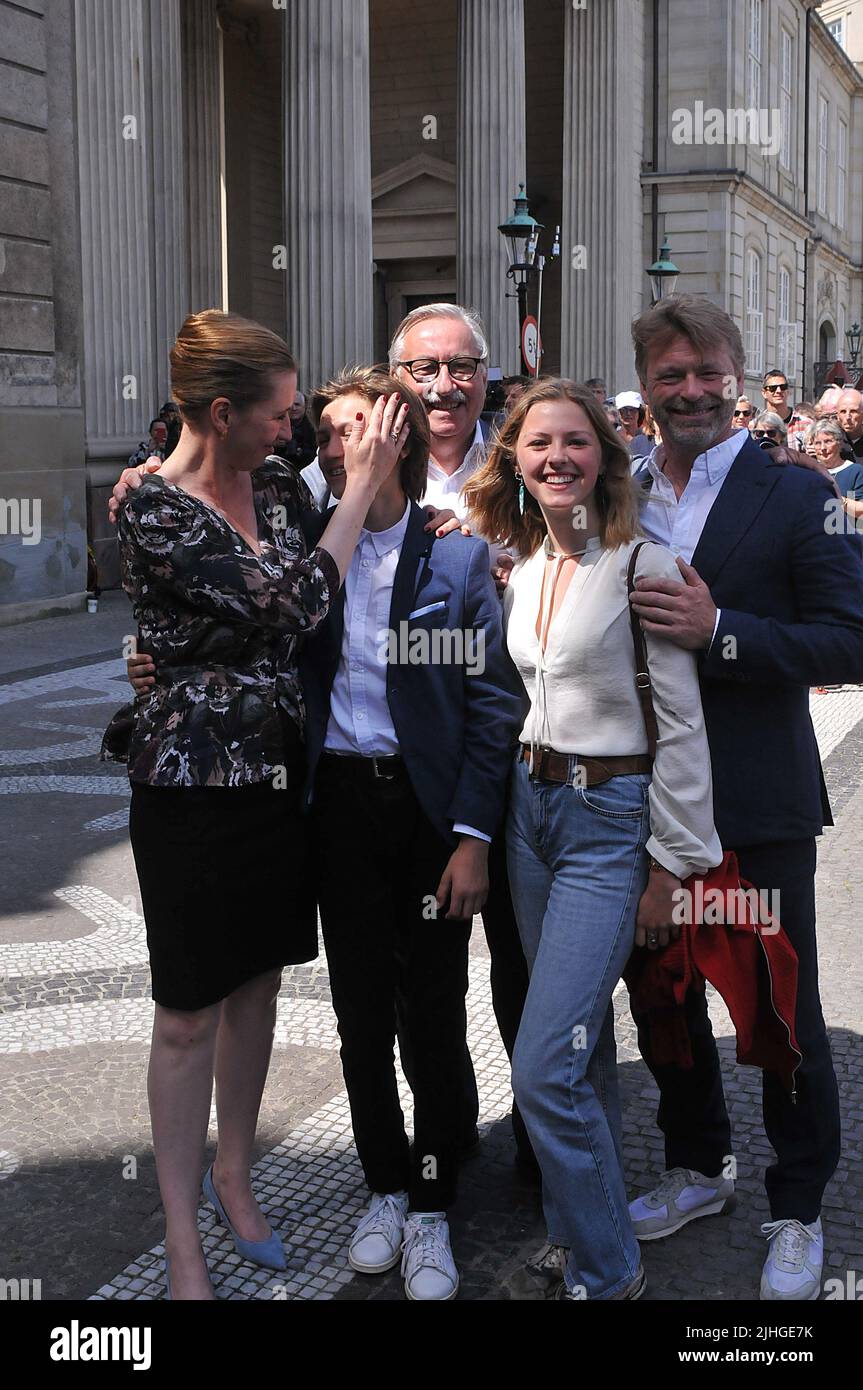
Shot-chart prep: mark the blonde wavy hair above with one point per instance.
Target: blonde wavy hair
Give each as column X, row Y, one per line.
column 491, row 496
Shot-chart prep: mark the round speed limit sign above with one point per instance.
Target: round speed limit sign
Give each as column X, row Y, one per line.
column 530, row 344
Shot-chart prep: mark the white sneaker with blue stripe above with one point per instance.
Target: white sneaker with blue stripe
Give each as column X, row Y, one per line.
column 681, row 1195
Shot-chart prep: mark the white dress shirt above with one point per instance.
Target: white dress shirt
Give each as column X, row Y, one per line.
column 443, row 490
column 678, row 524
column 360, row 719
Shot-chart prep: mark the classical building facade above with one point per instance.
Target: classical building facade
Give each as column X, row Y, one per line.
column 325, row 165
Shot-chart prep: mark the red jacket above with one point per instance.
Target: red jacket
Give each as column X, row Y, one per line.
column 739, row 950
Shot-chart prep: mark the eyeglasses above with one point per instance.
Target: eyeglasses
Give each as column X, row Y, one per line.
column 776, row 386
column 428, row 368
column 742, row 414
column 764, row 434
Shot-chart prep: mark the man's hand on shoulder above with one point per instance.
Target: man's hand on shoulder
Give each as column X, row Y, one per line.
column 780, row 453
column 141, row 673
column 444, row 522
column 130, row 478
column 684, row 613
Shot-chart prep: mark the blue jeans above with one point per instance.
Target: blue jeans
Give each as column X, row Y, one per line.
column 577, row 868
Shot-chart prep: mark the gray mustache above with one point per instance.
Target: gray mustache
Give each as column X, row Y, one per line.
column 432, row 399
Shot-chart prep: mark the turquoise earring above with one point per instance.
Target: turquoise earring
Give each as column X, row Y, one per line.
column 520, row 493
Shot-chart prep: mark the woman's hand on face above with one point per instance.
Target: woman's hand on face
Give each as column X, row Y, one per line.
column 655, row 925
column 376, row 443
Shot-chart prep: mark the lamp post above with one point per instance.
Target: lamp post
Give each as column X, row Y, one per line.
column 853, row 336
column 663, row 274
column 521, row 232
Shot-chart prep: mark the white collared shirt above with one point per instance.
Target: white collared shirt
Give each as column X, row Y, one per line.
column 443, row 490
column 360, row 720
column 678, row 524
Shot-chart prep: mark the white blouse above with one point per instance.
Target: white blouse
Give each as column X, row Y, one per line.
column 583, row 697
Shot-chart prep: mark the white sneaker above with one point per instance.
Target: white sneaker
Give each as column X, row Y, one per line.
column 792, row 1270
column 428, row 1267
column 680, row 1196
column 376, row 1244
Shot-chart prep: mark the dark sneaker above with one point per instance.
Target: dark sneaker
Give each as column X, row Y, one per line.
column 539, row 1278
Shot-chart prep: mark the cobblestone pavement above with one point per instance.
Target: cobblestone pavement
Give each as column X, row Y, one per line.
column 80, row 1207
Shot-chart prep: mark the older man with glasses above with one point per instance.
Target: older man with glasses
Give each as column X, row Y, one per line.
column 442, row 351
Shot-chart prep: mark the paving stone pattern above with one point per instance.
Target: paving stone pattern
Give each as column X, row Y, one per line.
column 77, row 1176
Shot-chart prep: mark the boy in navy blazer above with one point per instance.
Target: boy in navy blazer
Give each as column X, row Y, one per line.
column 412, row 709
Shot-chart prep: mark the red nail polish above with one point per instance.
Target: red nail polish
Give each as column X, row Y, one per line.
column 359, row 417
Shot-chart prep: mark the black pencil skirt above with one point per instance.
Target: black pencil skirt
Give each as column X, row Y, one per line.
column 226, row 887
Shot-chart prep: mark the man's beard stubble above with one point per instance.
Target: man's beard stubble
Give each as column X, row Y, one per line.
column 671, row 420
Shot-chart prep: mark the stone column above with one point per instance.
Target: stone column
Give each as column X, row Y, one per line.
column 202, row 84
column 328, row 197
column 603, row 281
column 133, row 218
column 491, row 162
column 164, row 87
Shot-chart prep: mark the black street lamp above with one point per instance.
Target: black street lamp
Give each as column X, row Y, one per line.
column 521, row 232
column 853, row 336
column 663, row 273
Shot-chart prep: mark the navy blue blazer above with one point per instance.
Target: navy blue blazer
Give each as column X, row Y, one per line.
column 791, row 595
column 456, row 731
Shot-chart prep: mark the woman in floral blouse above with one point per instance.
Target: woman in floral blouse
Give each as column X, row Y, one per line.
column 215, row 563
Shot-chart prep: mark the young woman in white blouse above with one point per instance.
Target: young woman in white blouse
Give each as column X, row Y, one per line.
column 597, row 839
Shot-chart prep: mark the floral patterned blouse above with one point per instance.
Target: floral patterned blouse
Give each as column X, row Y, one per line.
column 222, row 625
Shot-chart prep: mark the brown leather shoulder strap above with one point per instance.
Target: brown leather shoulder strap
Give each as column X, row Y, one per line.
column 642, row 669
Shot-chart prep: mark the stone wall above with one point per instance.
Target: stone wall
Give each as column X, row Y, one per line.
column 43, row 550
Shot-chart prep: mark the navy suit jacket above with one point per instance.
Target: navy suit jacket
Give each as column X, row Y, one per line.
column 456, row 731
column 791, row 595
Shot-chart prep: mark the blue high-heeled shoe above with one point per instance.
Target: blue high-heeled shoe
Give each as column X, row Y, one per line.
column 269, row 1253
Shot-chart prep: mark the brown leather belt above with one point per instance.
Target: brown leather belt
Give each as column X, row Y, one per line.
column 569, row 769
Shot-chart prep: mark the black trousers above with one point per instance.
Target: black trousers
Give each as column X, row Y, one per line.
column 806, row 1135
column 379, row 862
column 509, row 982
